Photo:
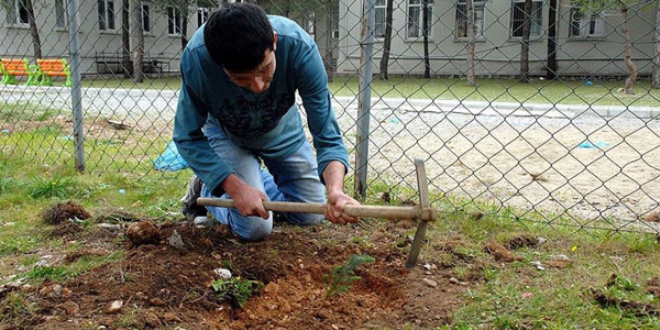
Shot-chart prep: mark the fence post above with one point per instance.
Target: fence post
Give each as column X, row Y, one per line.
column 76, row 95
column 364, row 99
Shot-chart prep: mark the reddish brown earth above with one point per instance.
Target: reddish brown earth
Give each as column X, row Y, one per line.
column 162, row 286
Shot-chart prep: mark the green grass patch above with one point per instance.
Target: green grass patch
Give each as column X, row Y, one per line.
column 486, row 89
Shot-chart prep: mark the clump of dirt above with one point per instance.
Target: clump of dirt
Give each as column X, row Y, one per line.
column 158, row 285
column 63, row 212
column 523, row 241
column 143, row 232
column 500, row 252
column 66, row 229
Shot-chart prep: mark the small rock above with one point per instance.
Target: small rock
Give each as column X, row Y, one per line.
column 152, row 320
column 157, row 302
column 427, row 266
column 335, row 327
column 453, row 280
column 114, row 307
column 223, row 273
column 538, row 265
column 176, row 241
column 429, row 282
column 53, row 290
column 171, row 317
column 70, row 307
column 271, row 288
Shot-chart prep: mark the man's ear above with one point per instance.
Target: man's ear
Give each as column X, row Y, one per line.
column 274, row 40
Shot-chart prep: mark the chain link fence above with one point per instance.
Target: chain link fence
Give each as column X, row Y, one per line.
column 546, row 110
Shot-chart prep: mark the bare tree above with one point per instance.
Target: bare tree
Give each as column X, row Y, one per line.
column 126, row 38
column 27, row 7
column 137, row 38
column 387, row 42
column 656, row 49
column 551, row 72
column 627, row 45
column 425, row 35
column 469, row 9
column 524, row 44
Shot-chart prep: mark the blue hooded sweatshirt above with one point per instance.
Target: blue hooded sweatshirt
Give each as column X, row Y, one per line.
column 268, row 123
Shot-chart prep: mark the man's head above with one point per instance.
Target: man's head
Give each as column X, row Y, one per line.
column 239, row 37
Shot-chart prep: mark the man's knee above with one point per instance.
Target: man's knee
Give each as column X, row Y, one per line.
column 257, row 230
column 306, row 219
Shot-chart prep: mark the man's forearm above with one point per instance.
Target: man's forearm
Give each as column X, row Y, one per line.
column 333, row 175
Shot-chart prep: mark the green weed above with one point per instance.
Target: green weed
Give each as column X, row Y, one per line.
column 51, row 187
column 343, row 276
column 236, row 290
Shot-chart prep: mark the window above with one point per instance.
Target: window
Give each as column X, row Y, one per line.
column 380, row 18
column 518, row 19
column 416, row 20
column 61, row 16
column 202, row 15
column 462, row 18
column 587, row 22
column 106, row 15
column 17, row 13
column 146, row 18
column 311, row 24
column 174, row 26
column 335, row 21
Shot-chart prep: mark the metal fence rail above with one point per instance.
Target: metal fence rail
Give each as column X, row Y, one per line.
column 546, row 109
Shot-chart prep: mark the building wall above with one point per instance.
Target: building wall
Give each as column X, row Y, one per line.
column 496, row 53
column 16, row 41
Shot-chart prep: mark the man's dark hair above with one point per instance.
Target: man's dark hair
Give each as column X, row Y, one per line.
column 238, row 35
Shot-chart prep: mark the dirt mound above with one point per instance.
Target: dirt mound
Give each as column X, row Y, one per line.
column 164, row 285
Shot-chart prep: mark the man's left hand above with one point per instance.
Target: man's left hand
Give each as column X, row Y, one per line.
column 335, row 208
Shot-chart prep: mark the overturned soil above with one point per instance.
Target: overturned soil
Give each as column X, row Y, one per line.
column 163, row 285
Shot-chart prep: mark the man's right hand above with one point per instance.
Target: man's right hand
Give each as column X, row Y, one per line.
column 247, row 200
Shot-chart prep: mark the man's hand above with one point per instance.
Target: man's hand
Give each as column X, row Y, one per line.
column 335, row 210
column 247, row 200
column 333, row 175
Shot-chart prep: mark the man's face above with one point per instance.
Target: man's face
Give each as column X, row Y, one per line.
column 258, row 79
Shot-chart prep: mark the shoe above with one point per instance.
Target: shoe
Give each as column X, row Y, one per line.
column 190, row 208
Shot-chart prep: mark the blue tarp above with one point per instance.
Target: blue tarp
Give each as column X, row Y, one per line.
column 170, row 159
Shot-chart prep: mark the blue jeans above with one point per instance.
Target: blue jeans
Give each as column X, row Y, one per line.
column 291, row 179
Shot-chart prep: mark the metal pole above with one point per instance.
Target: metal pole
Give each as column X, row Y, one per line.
column 364, row 100
column 76, row 95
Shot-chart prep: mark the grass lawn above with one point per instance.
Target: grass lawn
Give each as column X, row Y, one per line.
column 478, row 269
column 489, row 90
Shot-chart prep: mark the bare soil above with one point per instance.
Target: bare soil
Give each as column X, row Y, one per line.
column 160, row 285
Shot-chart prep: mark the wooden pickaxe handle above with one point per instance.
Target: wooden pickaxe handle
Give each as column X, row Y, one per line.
column 360, row 211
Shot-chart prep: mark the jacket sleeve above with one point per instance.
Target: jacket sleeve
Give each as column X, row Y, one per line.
column 192, row 144
column 313, row 89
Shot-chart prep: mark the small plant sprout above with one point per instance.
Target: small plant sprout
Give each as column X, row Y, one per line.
column 236, row 290
column 343, row 276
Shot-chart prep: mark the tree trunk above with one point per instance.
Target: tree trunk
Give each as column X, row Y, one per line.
column 469, row 9
column 425, row 34
column 137, row 36
column 630, row 81
column 184, row 26
column 524, row 45
column 126, row 38
column 387, row 42
column 327, row 57
column 551, row 72
column 36, row 40
column 656, row 50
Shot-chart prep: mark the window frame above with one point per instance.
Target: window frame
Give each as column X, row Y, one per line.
column 104, row 17
column 536, row 28
column 14, row 15
column 146, row 17
column 594, row 18
column 203, row 14
column 420, row 19
column 461, row 19
column 174, row 21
